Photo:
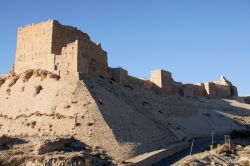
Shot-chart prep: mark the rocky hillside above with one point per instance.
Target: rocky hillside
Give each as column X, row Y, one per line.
column 121, row 122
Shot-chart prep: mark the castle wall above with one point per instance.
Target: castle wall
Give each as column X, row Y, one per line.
column 234, row 91
column 63, row 35
column 222, row 91
column 164, row 81
column 194, row 90
column 221, row 88
column 53, row 47
column 34, row 43
column 66, row 63
column 210, row 89
column 139, row 83
column 160, row 78
column 67, row 51
column 120, row 75
column 94, row 56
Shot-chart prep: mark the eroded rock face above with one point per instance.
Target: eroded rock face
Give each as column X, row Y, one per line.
column 58, row 144
column 49, row 151
column 73, row 160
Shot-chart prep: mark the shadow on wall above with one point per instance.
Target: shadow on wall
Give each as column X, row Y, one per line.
column 134, row 119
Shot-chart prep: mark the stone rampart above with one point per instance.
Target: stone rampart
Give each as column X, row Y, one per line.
column 69, row 52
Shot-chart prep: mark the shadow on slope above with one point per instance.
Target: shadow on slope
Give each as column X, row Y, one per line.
column 7, row 142
column 142, row 117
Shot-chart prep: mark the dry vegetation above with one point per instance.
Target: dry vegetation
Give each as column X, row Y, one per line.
column 237, row 153
column 55, row 151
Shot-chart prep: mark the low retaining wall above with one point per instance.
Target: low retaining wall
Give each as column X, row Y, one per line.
column 156, row 156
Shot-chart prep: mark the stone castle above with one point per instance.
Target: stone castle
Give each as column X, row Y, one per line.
column 70, row 53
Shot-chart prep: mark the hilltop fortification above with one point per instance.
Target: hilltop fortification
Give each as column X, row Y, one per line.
column 63, row 50
column 62, row 96
column 69, row 52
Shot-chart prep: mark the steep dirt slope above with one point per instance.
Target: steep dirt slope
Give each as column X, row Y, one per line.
column 37, row 104
column 189, row 116
column 122, row 121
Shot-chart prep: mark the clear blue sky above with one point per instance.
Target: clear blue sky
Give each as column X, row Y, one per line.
column 197, row 40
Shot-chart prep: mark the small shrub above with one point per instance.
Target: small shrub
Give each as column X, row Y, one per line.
column 33, row 124
column 245, row 163
column 67, row 106
column 37, row 90
column 27, row 75
column 86, row 103
column 1, row 81
column 22, row 89
column 101, row 76
column 59, row 116
column 13, row 81
column 90, row 124
column 74, row 102
column 77, row 124
column 54, row 76
column 43, row 75
column 223, row 149
column 8, row 92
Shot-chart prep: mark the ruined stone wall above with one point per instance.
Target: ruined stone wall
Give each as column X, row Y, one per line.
column 53, row 47
column 67, row 51
column 160, row 77
column 194, row 90
column 63, row 35
column 221, row 88
column 210, row 89
column 34, row 43
column 175, row 88
column 119, row 75
column 94, row 56
column 222, row 91
column 66, row 63
column 163, row 79
column 91, row 58
column 234, row 90
column 139, row 83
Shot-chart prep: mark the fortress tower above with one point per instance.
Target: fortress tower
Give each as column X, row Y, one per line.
column 63, row 50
